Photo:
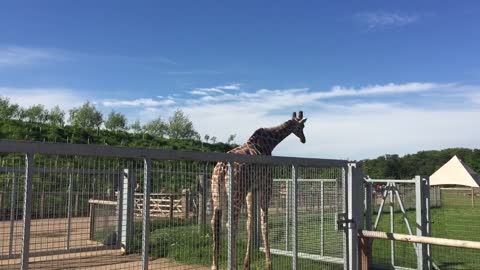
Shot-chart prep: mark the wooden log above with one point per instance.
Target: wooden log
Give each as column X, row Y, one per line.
column 171, row 208
column 420, row 239
column 185, row 203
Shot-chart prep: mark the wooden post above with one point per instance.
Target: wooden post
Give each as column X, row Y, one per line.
column 473, row 198
column 92, row 220
column 42, row 204
column 185, row 203
column 171, row 207
column 202, row 200
column 2, row 214
column 365, row 250
column 75, row 213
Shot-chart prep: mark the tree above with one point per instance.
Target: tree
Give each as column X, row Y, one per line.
column 180, row 126
column 213, row 139
column 116, row 121
column 36, row 113
column 7, row 110
column 136, row 127
column 86, row 116
column 156, row 127
column 231, row 138
column 206, row 138
column 56, row 117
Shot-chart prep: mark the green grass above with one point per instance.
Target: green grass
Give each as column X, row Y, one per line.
column 184, row 241
column 456, row 219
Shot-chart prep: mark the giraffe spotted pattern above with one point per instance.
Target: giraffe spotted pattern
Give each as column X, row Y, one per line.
column 247, row 180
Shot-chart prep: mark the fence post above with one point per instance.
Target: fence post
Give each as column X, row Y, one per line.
column 27, row 211
column 42, row 204
column 146, row 211
column 69, row 209
column 428, row 219
column 128, row 194
column 230, row 248
column 92, row 220
column 420, row 222
column 170, row 207
column 294, row 216
column 288, row 199
column 2, row 212
column 202, row 200
column 322, row 219
column 75, row 211
column 355, row 208
column 13, row 199
column 185, row 203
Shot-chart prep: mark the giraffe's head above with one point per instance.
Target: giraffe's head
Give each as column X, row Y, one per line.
column 298, row 123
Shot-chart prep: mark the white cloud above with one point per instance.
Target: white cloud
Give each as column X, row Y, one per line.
column 217, row 89
column 385, row 19
column 18, row 56
column 140, row 102
column 49, row 97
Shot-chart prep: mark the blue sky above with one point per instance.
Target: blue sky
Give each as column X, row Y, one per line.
column 373, row 77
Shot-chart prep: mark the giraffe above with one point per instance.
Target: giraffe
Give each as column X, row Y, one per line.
column 247, row 179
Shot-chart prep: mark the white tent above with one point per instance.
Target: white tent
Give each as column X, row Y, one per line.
column 455, row 172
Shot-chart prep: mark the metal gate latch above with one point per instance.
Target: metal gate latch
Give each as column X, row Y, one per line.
column 342, row 221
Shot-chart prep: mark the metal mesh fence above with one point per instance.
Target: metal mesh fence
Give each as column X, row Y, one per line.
column 91, row 211
column 457, row 218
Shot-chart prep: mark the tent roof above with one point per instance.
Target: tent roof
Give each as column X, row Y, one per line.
column 455, row 172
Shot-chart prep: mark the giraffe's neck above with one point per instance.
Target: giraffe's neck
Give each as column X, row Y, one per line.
column 266, row 139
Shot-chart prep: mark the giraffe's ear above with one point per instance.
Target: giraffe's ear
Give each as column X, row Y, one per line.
column 294, row 116
column 300, row 115
column 303, row 121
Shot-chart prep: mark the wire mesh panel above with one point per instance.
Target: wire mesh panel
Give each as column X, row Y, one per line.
column 169, row 211
column 12, row 180
column 457, row 218
column 394, row 210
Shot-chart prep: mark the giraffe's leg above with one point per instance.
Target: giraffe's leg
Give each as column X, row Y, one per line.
column 248, row 254
column 264, row 200
column 235, row 215
column 216, row 225
column 217, row 215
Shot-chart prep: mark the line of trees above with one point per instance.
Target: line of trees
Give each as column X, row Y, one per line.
column 87, row 116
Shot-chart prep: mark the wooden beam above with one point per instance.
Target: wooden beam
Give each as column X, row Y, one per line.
column 420, row 239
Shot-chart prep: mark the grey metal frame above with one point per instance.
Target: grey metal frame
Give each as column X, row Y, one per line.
column 125, row 209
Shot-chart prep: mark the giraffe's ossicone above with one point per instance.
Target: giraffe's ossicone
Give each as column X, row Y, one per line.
column 247, row 179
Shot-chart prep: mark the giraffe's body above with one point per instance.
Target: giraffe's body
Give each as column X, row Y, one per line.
column 248, row 179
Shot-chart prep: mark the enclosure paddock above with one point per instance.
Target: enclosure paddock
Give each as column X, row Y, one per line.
column 98, row 260
column 51, row 234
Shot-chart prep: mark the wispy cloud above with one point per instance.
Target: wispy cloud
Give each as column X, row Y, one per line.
column 140, row 102
column 20, row 56
column 374, row 20
column 217, row 89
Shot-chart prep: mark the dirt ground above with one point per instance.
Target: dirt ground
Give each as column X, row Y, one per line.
column 51, row 235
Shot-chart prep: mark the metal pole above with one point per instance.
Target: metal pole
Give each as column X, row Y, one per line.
column 368, row 205
column 353, row 215
column 128, row 199
column 382, row 204
column 230, row 257
column 404, row 214
column 392, row 221
column 146, row 211
column 120, row 206
column 322, row 219
column 27, row 211
column 12, row 213
column 419, row 197
column 287, row 214
column 294, row 216
column 428, row 218
column 69, row 209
